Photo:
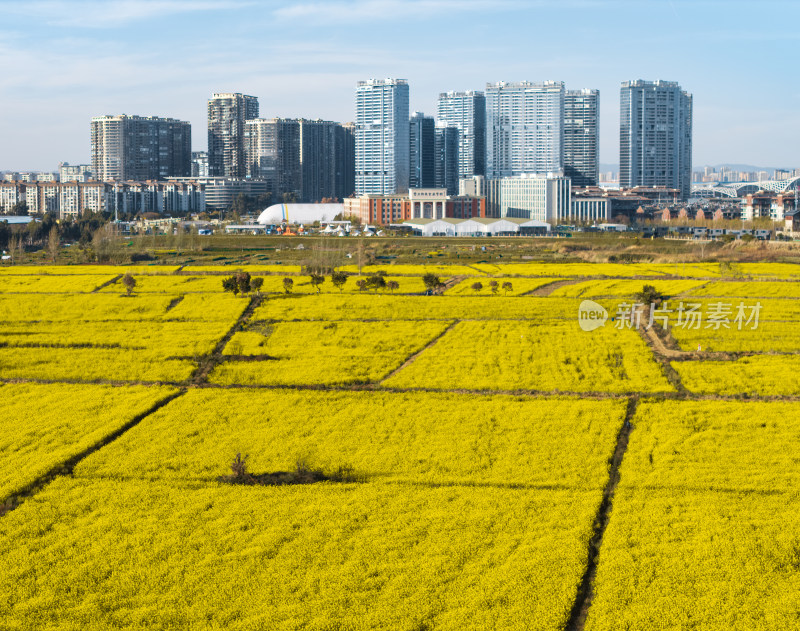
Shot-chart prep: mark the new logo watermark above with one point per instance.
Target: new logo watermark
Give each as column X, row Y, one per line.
column 591, row 315
column 692, row 315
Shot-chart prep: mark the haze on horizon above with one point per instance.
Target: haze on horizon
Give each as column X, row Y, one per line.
column 68, row 61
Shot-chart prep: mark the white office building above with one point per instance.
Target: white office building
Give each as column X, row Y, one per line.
column 543, row 197
column 524, row 128
column 382, row 137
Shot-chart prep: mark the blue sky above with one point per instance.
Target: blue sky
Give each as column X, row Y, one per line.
column 66, row 61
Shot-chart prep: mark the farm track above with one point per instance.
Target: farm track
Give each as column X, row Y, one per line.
column 585, row 594
column 210, row 361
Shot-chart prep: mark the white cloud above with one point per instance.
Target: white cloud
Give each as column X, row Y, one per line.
column 360, row 10
column 114, row 13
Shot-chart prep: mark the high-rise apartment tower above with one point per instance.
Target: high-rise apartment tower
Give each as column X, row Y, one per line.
column 446, row 158
column 581, row 136
column 466, row 111
column 140, row 147
column 655, row 135
column 272, row 154
column 524, row 128
column 422, row 168
column 227, row 113
column 382, row 137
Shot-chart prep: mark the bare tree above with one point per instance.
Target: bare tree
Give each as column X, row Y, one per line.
column 53, row 244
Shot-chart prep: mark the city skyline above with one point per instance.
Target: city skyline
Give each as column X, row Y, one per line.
column 90, row 59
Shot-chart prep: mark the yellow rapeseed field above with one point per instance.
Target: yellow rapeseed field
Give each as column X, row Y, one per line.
column 532, row 356
column 95, row 554
column 476, row 433
column 44, row 425
column 388, row 437
column 324, row 353
column 704, row 527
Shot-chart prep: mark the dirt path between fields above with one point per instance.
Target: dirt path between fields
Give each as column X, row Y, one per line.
column 549, row 288
column 585, row 594
column 215, row 357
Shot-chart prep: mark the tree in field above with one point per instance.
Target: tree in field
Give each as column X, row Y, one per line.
column 494, row 286
column 338, row 279
column 129, row 282
column 288, row 285
column 392, row 285
column 243, row 280
column 476, row 287
column 361, row 284
column 376, row 281
column 649, row 295
column 317, row 280
column 231, row 284
column 507, row 286
column 431, row 281
column 256, row 283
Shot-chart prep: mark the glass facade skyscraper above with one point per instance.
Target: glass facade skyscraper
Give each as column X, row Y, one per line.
column 382, row 137
column 655, row 135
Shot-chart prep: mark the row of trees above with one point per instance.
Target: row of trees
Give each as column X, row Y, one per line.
column 494, row 286
column 243, row 283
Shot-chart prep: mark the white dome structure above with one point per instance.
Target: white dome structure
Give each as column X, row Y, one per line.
column 299, row 213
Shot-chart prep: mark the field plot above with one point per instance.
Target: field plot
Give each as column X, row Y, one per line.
column 569, row 269
column 387, row 437
column 169, row 284
column 33, row 443
column 415, row 270
column 133, row 555
column 387, row 307
column 67, row 308
column 519, row 286
column 530, row 356
column 597, row 288
column 251, row 269
column 85, row 270
column 768, row 270
column 91, row 364
column 763, row 375
column 51, row 284
column 323, row 353
column 163, row 339
column 704, row 528
column 750, row 289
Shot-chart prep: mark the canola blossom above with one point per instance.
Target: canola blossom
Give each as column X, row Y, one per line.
column 342, row 352
column 100, row 554
column 44, row 425
column 387, row 437
column 765, row 375
column 531, row 356
column 704, row 526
